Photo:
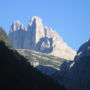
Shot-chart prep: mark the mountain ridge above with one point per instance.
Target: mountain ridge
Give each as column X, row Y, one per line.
column 39, row 38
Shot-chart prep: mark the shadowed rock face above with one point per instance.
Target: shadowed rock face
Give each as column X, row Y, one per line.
column 39, row 38
column 45, row 45
column 16, row 73
column 76, row 74
column 83, row 50
column 17, row 38
column 50, row 71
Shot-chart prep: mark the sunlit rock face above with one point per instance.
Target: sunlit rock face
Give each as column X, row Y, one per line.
column 17, row 34
column 36, row 26
column 39, row 38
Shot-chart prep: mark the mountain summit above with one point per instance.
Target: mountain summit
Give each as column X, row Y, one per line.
column 17, row 25
column 39, row 38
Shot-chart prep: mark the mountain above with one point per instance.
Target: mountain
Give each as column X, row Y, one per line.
column 47, row 64
column 77, row 75
column 17, row 74
column 39, row 38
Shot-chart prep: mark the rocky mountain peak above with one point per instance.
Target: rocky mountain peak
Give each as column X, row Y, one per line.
column 35, row 20
column 40, row 38
column 17, row 25
column 36, row 27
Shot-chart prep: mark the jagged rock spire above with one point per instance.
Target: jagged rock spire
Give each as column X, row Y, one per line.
column 17, row 25
column 36, row 20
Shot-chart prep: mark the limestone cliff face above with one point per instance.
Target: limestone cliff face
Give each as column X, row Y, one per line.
column 39, row 38
column 36, row 26
column 17, row 34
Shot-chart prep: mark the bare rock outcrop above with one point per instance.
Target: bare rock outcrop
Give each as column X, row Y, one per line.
column 39, row 38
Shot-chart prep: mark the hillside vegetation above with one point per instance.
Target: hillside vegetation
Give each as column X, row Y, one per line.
column 4, row 37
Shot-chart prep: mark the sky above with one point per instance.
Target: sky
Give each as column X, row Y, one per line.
column 70, row 18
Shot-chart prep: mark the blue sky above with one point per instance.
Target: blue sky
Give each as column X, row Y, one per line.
column 70, row 18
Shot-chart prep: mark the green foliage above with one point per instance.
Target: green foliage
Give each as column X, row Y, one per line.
column 5, row 38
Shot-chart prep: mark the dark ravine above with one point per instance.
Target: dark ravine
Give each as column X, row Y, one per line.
column 17, row 74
